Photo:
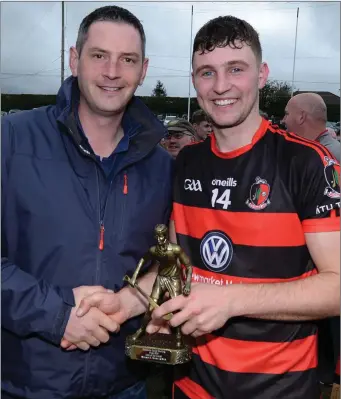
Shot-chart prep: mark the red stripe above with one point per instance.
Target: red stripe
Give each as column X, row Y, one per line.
column 192, row 389
column 207, row 277
column 244, row 228
column 258, row 357
column 321, row 225
column 319, row 148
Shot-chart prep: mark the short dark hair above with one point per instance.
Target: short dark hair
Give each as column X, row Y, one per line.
column 227, row 31
column 199, row 116
column 111, row 14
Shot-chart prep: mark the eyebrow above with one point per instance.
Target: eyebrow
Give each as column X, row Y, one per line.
column 100, row 50
column 131, row 54
column 225, row 64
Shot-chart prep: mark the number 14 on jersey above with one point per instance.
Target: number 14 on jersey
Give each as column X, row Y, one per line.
column 223, row 199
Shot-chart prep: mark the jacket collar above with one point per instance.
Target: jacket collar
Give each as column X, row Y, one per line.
column 150, row 133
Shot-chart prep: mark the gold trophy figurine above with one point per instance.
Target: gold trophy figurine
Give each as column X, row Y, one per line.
column 161, row 348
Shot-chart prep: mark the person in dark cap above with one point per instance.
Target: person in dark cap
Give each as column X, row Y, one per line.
column 180, row 134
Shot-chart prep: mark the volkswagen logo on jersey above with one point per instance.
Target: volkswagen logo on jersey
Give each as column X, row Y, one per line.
column 332, row 178
column 216, row 251
column 259, row 195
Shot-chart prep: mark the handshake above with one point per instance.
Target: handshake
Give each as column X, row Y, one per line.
column 98, row 311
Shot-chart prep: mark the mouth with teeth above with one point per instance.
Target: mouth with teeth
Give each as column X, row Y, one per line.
column 225, row 103
column 110, row 89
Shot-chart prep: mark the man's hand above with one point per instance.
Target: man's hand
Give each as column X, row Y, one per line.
column 107, row 302
column 206, row 309
column 91, row 329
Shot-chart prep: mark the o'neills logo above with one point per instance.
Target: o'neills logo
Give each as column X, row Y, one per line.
column 229, row 182
column 331, row 174
column 259, row 195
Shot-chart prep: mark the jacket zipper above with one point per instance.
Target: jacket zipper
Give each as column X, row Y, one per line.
column 101, row 236
column 125, row 184
column 100, row 215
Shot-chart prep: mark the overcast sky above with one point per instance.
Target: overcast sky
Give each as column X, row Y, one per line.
column 31, row 41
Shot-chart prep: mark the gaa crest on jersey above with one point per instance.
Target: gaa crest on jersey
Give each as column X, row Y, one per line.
column 259, row 195
column 216, row 251
column 331, row 174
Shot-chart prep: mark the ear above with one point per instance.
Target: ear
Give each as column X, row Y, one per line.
column 144, row 70
column 263, row 75
column 193, row 79
column 301, row 118
column 73, row 61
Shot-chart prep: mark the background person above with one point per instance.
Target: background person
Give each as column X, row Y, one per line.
column 201, row 124
column 180, row 134
column 306, row 115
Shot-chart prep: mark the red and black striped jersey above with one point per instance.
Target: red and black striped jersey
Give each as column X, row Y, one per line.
column 241, row 217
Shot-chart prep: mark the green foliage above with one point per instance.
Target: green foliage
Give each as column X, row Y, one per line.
column 274, row 97
column 25, row 101
column 159, row 90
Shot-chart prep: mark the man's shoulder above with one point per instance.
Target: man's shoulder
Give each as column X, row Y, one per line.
column 22, row 121
column 27, row 131
column 194, row 151
column 298, row 150
column 162, row 163
column 333, row 145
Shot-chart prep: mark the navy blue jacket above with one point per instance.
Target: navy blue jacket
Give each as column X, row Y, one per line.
column 51, row 188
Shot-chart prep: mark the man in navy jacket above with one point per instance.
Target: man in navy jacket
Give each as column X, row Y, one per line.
column 84, row 183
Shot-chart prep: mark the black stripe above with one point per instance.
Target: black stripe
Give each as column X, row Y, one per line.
column 255, row 262
column 228, row 385
column 247, row 329
column 178, row 394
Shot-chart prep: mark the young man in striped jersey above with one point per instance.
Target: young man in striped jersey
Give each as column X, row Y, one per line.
column 267, row 212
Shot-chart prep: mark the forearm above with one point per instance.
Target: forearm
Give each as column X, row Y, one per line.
column 315, row 297
column 33, row 306
column 135, row 302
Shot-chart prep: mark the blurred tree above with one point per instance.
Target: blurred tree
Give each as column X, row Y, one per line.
column 274, row 97
column 159, row 90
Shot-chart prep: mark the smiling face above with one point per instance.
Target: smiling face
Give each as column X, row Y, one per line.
column 176, row 141
column 110, row 67
column 227, row 81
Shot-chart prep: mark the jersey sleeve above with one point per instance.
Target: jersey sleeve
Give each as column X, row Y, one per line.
column 319, row 192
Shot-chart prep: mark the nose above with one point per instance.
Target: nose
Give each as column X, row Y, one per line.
column 111, row 69
column 172, row 139
column 222, row 83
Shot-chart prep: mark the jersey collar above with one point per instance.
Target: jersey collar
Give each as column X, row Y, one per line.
column 239, row 151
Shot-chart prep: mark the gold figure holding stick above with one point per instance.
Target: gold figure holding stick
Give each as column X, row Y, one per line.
column 161, row 348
